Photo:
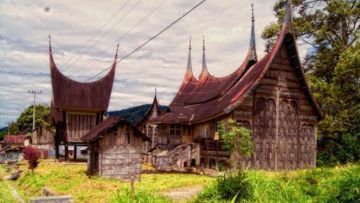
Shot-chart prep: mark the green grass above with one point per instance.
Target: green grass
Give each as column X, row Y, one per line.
column 339, row 184
column 71, row 179
column 5, row 193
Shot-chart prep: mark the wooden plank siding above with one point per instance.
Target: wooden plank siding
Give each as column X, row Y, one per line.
column 120, row 154
column 78, row 124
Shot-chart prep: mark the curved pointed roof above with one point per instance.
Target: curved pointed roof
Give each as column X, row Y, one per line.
column 68, row 94
column 152, row 112
column 209, row 87
column 232, row 98
column 204, row 74
column 189, row 75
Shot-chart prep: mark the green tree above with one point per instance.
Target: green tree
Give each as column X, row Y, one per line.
column 25, row 120
column 13, row 128
column 331, row 28
column 237, row 140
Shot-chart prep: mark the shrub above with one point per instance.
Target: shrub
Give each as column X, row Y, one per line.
column 32, row 155
column 346, row 188
column 123, row 195
column 228, row 187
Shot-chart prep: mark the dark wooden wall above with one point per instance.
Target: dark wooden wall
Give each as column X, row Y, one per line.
column 42, row 136
column 78, row 124
column 282, row 120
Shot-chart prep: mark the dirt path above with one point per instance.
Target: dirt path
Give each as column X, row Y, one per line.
column 182, row 194
column 16, row 194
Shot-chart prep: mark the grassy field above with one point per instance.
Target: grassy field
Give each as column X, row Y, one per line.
column 338, row 184
column 5, row 194
column 317, row 185
column 71, row 179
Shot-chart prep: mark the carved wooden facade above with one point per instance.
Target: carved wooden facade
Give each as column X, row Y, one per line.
column 270, row 97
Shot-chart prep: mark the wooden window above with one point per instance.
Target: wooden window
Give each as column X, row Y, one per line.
column 265, row 118
column 175, row 130
column 245, row 124
column 260, row 117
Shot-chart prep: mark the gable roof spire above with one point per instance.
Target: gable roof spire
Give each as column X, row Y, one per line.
column 287, row 26
column 155, row 95
column 51, row 58
column 189, row 73
column 50, row 50
column 252, row 48
column 204, row 71
column 116, row 53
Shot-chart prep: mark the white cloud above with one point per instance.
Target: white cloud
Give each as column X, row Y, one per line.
column 24, row 27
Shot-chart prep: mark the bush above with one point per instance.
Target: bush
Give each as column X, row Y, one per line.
column 346, row 187
column 32, row 155
column 123, row 195
column 228, row 187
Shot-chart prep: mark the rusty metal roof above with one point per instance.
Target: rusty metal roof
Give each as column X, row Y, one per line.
column 14, row 139
column 107, row 124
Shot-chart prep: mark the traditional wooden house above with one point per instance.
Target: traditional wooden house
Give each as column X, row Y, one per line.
column 144, row 125
column 43, row 138
column 11, row 148
column 269, row 96
column 115, row 149
column 76, row 107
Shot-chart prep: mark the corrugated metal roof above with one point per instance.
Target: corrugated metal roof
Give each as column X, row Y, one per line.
column 14, row 139
column 108, row 123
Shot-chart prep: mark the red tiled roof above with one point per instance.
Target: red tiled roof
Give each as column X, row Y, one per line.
column 14, row 139
column 197, row 101
column 108, row 123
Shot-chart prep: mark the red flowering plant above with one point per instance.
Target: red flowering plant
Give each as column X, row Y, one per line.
column 32, row 155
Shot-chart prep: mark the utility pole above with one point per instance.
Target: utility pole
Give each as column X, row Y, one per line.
column 34, row 92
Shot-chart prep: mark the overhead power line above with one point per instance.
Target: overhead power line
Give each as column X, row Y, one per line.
column 98, row 31
column 106, row 33
column 125, row 34
column 149, row 40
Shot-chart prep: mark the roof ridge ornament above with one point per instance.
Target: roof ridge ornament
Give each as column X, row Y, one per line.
column 189, row 73
column 204, row 71
column 287, row 26
column 117, row 51
column 252, row 47
column 155, row 96
column 189, row 64
column 50, row 49
column 51, row 58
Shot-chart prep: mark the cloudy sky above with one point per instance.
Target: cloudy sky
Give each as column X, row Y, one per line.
column 84, row 37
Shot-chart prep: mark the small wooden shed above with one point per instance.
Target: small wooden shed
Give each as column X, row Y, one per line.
column 115, row 149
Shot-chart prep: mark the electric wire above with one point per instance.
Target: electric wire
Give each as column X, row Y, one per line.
column 125, row 34
column 106, row 33
column 149, row 40
column 96, row 33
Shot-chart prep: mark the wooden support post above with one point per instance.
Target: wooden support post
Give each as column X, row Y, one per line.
column 66, row 151
column 57, row 142
column 132, row 187
column 75, row 152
